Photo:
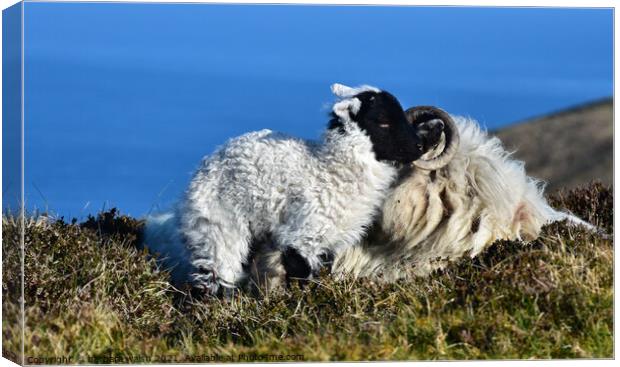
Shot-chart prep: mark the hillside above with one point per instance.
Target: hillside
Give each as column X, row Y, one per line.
column 567, row 148
column 92, row 296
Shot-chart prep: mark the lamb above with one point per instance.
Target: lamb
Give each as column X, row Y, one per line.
column 309, row 200
column 438, row 214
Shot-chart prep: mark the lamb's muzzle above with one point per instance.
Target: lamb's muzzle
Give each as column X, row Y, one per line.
column 421, row 114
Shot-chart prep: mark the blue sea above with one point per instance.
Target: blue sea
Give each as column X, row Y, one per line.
column 121, row 101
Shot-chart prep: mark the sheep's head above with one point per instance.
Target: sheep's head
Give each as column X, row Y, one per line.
column 438, row 133
column 381, row 116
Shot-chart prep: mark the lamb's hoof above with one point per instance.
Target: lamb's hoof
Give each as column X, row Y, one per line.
column 205, row 283
column 327, row 261
column 198, row 293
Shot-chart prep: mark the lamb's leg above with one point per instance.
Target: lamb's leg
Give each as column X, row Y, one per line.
column 296, row 266
column 267, row 269
column 272, row 267
column 302, row 265
column 305, row 252
column 218, row 250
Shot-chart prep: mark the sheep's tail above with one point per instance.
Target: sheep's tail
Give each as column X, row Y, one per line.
column 574, row 221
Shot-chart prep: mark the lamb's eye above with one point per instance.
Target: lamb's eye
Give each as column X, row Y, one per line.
column 384, row 126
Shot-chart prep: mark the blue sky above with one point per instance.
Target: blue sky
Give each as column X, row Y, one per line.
column 123, row 100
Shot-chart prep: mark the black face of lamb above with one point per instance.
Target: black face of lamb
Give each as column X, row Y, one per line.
column 384, row 120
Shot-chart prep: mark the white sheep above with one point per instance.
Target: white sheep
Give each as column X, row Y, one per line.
column 433, row 216
column 309, row 200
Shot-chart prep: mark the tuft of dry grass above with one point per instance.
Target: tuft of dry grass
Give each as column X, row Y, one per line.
column 91, row 295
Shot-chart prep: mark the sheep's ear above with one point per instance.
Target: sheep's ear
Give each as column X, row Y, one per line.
column 527, row 222
column 346, row 108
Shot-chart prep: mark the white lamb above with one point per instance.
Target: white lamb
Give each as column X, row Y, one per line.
column 309, row 200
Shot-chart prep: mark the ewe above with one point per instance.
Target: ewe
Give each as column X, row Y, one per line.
column 437, row 214
column 310, row 201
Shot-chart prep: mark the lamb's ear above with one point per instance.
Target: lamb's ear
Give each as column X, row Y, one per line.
column 343, row 91
column 346, row 108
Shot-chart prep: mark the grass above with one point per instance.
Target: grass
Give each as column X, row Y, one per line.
column 92, row 296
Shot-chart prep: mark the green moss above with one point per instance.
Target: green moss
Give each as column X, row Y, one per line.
column 92, row 295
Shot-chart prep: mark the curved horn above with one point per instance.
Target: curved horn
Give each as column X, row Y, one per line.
column 420, row 114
